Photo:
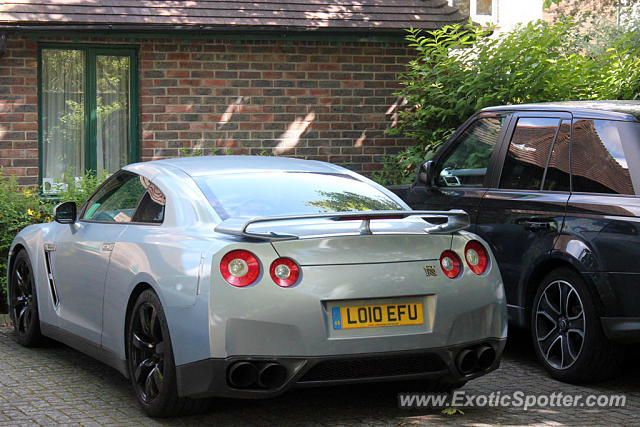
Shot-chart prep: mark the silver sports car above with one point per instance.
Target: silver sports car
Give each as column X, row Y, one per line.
column 247, row 276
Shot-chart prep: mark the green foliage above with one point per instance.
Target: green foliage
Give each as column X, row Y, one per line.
column 351, row 202
column 21, row 207
column 452, row 411
column 460, row 69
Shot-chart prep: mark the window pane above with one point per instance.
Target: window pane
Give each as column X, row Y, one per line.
column 151, row 207
column 280, row 193
column 557, row 178
column 467, row 164
column 117, row 199
column 598, row 161
column 63, row 114
column 483, row 7
column 112, row 101
column 528, row 153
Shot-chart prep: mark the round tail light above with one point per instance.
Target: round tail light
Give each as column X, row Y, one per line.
column 240, row 268
column 450, row 264
column 476, row 256
column 284, row 272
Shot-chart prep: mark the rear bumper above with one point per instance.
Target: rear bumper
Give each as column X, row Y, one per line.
column 621, row 329
column 210, row 377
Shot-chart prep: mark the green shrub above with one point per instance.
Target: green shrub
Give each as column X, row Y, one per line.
column 22, row 206
column 460, row 69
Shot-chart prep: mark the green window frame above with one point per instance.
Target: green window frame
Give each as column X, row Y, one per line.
column 90, row 134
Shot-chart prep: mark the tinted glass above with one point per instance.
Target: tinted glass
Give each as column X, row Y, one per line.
column 151, row 207
column 467, row 164
column 598, row 161
column 558, row 173
column 290, row 193
column 528, row 153
column 116, row 201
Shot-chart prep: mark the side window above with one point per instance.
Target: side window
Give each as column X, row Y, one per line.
column 117, row 199
column 151, row 207
column 467, row 164
column 558, row 170
column 598, row 162
column 528, row 153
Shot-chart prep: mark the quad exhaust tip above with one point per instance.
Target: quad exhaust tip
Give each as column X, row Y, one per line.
column 243, row 374
column 475, row 359
column 272, row 375
column 252, row 375
column 486, row 356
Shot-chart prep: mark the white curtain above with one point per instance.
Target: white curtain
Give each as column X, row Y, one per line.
column 63, row 112
column 112, row 102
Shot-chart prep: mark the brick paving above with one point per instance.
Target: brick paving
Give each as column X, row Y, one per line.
column 58, row 385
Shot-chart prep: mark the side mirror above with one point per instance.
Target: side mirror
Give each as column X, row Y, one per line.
column 65, row 213
column 425, row 173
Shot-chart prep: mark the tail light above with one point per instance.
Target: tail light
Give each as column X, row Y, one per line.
column 450, row 264
column 284, row 272
column 476, row 256
column 240, row 268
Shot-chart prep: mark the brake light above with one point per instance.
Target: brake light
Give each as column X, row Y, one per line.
column 240, row 268
column 450, row 264
column 476, row 256
column 284, row 272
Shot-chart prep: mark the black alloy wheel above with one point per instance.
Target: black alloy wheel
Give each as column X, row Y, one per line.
column 566, row 330
column 560, row 324
column 151, row 364
column 23, row 302
column 146, row 349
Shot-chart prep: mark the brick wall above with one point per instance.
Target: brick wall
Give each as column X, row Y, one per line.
column 18, row 110
column 329, row 101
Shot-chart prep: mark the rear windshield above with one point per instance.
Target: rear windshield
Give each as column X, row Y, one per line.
column 290, row 193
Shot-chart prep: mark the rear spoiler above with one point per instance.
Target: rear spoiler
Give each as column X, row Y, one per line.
column 237, row 226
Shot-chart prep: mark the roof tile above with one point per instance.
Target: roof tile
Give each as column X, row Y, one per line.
column 345, row 15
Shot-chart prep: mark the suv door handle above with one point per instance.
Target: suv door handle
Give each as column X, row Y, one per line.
column 536, row 225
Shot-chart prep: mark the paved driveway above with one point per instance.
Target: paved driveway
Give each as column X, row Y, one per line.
column 56, row 384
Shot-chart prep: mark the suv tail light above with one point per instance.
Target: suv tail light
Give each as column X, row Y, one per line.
column 240, row 268
column 284, row 272
column 476, row 256
column 450, row 264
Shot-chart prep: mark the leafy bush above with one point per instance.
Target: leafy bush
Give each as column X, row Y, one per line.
column 460, row 69
column 22, row 206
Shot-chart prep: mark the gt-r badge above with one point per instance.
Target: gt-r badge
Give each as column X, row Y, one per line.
column 430, row 270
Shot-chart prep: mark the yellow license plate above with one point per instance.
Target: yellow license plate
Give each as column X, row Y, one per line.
column 372, row 316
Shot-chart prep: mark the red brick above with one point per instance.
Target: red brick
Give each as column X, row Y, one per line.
column 214, row 83
column 201, row 79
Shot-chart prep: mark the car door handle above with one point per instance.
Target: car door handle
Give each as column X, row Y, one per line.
column 536, row 225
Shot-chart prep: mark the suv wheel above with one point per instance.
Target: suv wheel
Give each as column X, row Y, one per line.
column 567, row 335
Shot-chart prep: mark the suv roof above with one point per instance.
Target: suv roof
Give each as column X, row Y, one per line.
column 617, row 110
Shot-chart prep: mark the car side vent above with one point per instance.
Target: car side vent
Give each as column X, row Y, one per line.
column 52, row 285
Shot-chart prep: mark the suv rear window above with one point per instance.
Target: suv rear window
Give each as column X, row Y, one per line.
column 598, row 161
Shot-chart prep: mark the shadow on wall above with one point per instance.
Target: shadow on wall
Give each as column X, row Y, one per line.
column 287, row 141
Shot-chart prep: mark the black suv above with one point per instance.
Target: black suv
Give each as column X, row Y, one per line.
column 553, row 189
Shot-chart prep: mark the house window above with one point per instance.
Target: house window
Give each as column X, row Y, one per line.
column 87, row 110
column 483, row 7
